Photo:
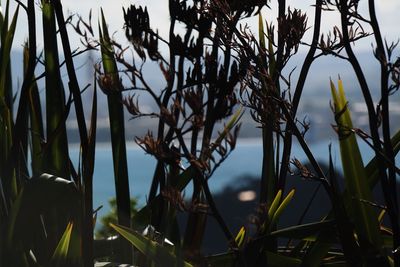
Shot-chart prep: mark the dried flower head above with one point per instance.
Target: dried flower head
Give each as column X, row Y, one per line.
column 159, row 149
column 291, row 29
column 304, row 172
column 131, row 105
column 139, row 33
column 109, row 83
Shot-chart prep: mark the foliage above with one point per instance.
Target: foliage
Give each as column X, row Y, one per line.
column 213, row 69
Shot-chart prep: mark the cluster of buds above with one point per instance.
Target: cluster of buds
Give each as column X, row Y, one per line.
column 291, row 29
column 131, row 105
column 194, row 16
column 137, row 23
column 109, row 83
column 303, row 171
column 139, row 33
column 223, row 86
column 191, row 50
column 244, row 8
column 179, row 10
column 194, row 100
column 159, row 149
column 395, row 75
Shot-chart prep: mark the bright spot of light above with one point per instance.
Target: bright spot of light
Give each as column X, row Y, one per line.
column 112, row 237
column 248, row 195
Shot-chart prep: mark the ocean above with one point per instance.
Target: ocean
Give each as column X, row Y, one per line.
column 244, row 161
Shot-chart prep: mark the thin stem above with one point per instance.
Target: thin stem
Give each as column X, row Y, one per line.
column 372, row 116
column 299, row 91
column 381, row 56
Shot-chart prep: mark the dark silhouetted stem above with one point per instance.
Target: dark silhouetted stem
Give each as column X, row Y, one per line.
column 381, row 56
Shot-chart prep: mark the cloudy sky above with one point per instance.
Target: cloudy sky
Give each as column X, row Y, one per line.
column 387, row 11
column 158, row 9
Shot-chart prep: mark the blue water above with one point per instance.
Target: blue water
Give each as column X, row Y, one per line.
column 244, row 160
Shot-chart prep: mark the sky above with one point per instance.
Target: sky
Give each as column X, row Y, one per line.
column 158, row 9
column 322, row 70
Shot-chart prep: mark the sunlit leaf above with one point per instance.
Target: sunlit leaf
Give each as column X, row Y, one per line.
column 157, row 253
column 365, row 217
column 61, row 251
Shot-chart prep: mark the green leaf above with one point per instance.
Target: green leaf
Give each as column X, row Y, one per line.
column 282, row 207
column 113, row 90
column 240, row 236
column 6, row 45
column 157, row 253
column 56, row 150
column 274, row 205
column 44, row 195
column 364, row 216
column 321, row 248
column 228, row 127
column 61, row 251
column 6, row 120
column 91, row 151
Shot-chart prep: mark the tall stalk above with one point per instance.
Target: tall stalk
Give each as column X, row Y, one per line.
column 111, row 85
column 391, row 192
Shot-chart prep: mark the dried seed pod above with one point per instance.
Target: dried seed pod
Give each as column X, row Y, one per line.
column 291, row 29
column 109, row 83
column 139, row 33
column 131, row 105
column 137, row 23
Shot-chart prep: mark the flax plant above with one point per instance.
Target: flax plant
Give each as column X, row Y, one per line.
column 59, row 233
column 56, row 151
column 209, row 68
column 6, row 131
column 110, row 84
column 194, row 100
